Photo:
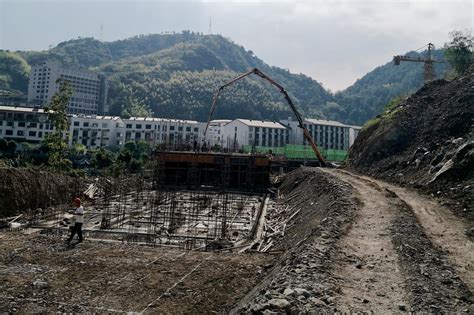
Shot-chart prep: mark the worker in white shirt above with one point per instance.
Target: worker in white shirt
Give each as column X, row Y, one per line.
column 79, row 220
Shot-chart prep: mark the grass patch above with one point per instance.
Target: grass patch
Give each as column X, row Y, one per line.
column 389, row 112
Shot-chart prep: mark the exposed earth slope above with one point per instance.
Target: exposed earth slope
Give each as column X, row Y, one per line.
column 427, row 142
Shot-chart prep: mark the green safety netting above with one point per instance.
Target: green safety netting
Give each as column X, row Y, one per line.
column 292, row 151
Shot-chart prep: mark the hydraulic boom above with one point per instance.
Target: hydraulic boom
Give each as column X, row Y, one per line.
column 288, row 99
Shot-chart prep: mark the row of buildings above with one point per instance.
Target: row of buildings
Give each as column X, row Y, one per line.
column 26, row 124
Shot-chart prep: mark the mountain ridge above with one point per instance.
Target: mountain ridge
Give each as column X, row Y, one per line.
column 175, row 75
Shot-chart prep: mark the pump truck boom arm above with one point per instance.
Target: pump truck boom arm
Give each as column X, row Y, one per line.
column 287, row 98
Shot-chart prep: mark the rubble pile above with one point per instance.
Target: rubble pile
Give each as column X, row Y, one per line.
column 427, row 143
column 318, row 208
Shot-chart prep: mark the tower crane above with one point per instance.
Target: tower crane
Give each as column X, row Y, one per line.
column 429, row 74
column 259, row 73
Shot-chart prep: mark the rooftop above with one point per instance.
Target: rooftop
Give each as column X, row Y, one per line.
column 154, row 119
column 96, row 117
column 325, row 122
column 22, row 109
column 261, row 123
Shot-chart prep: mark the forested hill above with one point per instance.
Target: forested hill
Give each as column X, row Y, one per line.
column 367, row 97
column 175, row 75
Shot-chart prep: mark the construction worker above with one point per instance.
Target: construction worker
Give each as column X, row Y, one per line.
column 79, row 220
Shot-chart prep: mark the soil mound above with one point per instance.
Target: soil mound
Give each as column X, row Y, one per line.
column 30, row 189
column 427, row 142
column 302, row 280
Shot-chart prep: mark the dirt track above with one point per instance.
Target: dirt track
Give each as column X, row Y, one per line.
column 442, row 227
column 368, row 268
column 403, row 252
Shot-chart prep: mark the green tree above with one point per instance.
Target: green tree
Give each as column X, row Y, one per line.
column 57, row 115
column 459, row 52
column 125, row 156
column 103, row 158
column 79, row 149
column 3, row 145
column 14, row 71
column 11, row 147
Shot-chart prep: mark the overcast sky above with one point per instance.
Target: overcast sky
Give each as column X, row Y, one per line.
column 335, row 42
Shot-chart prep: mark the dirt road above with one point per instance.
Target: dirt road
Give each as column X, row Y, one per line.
column 442, row 227
column 370, row 275
column 403, row 252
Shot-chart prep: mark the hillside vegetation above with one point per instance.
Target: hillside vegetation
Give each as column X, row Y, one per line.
column 426, row 141
column 175, row 75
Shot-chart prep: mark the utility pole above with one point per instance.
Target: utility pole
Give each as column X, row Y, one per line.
column 429, row 74
column 101, row 31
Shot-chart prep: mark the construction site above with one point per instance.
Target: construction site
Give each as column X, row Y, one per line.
column 201, row 232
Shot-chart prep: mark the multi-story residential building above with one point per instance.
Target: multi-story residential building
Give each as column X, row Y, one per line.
column 96, row 131
column 328, row 134
column 24, row 124
column 213, row 135
column 172, row 132
column 253, row 132
column 90, row 89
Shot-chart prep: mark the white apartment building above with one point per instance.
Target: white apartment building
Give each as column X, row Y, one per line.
column 96, row 131
column 27, row 124
column 328, row 134
column 213, row 135
column 90, row 89
column 253, row 132
column 24, row 124
column 172, row 132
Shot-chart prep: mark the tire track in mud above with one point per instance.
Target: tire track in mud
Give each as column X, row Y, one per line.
column 442, row 227
column 368, row 269
column 431, row 282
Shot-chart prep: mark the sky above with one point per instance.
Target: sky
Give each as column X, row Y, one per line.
column 334, row 42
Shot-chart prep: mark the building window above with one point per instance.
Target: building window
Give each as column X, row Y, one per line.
column 32, row 133
column 76, row 123
column 195, row 129
column 129, row 126
column 147, row 126
column 138, row 126
column 188, row 129
column 171, row 128
column 8, row 132
column 180, row 128
column 20, row 133
column 86, row 124
column 21, row 124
